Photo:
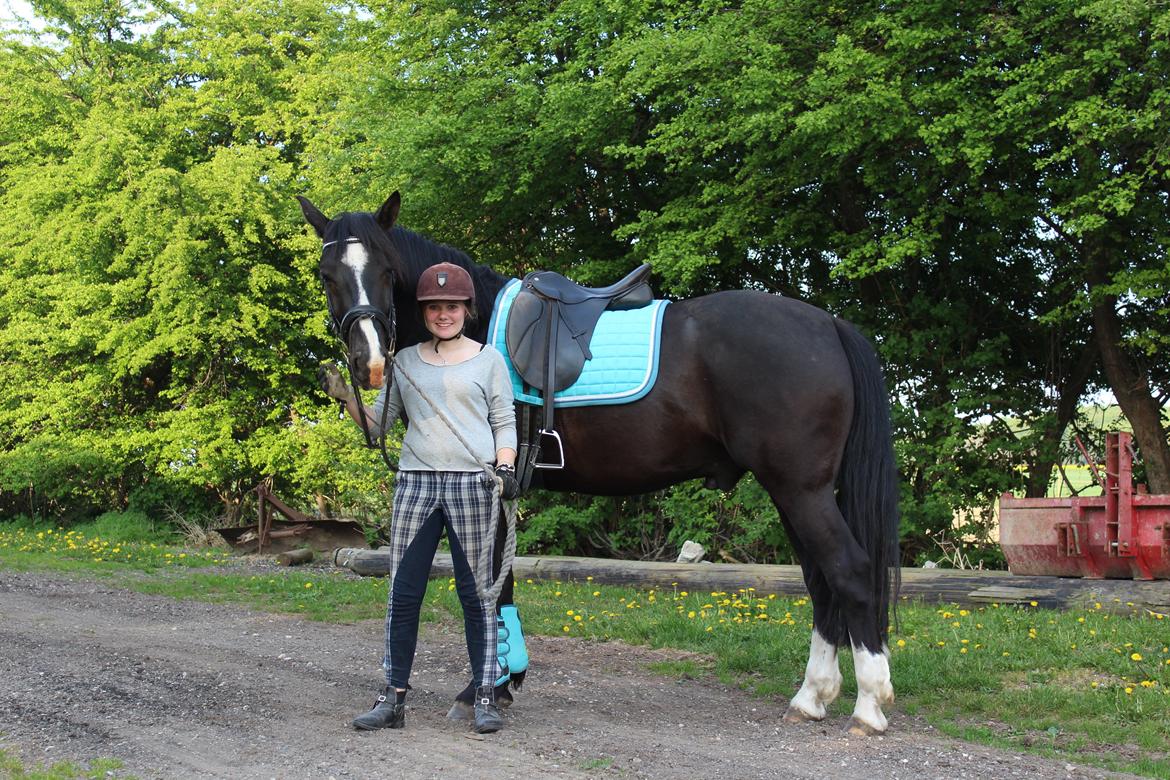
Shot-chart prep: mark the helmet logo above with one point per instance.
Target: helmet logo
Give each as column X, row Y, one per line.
column 441, row 278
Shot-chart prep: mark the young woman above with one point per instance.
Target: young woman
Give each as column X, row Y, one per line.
column 461, row 425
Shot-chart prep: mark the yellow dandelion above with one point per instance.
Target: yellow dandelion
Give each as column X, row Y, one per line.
column 901, row 643
column 1135, row 657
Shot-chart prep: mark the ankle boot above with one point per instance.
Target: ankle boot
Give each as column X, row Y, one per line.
column 387, row 713
column 487, row 715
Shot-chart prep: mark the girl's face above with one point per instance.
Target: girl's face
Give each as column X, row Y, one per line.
column 444, row 319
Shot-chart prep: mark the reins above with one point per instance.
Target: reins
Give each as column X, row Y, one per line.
column 341, row 327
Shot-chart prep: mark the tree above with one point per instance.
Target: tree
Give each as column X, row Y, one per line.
column 157, row 316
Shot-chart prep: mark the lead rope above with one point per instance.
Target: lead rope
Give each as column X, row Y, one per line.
column 484, row 562
column 390, row 465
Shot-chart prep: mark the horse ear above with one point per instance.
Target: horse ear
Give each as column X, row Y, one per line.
column 313, row 216
column 388, row 214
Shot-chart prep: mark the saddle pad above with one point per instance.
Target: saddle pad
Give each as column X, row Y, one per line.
column 625, row 350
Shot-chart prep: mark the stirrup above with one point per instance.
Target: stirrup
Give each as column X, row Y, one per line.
column 559, row 463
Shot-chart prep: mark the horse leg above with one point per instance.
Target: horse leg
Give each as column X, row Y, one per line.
column 848, row 610
column 874, row 689
column 822, row 675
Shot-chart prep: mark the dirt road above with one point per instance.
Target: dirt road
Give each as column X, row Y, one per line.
column 178, row 689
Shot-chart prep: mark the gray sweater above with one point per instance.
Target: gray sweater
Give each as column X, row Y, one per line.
column 475, row 396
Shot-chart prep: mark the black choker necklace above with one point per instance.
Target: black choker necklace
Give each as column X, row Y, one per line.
column 439, row 341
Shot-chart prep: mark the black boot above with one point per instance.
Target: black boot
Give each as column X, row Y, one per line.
column 386, row 713
column 487, row 715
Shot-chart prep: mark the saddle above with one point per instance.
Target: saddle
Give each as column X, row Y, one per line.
column 549, row 329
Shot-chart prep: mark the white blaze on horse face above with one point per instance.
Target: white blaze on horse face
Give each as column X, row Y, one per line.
column 822, row 680
column 355, row 260
column 873, row 689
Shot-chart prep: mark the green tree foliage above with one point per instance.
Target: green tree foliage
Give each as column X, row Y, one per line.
column 159, row 308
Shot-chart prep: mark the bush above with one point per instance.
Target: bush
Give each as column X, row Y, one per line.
column 740, row 525
column 129, row 526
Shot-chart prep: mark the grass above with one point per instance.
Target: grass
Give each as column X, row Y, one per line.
column 13, row 768
column 1080, row 477
column 1091, row 686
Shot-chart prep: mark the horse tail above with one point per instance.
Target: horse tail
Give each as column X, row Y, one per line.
column 867, row 487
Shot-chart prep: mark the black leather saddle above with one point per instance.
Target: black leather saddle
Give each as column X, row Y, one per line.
column 551, row 324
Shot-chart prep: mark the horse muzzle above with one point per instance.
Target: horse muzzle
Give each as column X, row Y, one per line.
column 369, row 336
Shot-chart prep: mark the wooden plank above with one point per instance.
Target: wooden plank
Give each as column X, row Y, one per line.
column 295, row 557
column 963, row 587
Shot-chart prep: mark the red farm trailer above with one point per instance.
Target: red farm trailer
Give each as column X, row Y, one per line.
column 1123, row 534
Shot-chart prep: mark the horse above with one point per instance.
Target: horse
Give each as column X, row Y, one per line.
column 748, row 381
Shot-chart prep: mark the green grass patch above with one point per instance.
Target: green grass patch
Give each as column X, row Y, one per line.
column 94, row 548
column 13, row 768
column 1091, row 686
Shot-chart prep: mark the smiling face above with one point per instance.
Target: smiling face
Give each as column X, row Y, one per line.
column 444, row 319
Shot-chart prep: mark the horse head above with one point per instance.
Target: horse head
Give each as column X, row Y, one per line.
column 358, row 268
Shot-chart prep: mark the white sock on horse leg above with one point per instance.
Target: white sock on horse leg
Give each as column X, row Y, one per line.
column 873, row 688
column 822, row 679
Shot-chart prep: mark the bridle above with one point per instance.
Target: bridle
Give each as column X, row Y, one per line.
column 341, row 326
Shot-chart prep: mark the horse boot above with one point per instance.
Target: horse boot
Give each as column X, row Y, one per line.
column 487, row 715
column 384, row 714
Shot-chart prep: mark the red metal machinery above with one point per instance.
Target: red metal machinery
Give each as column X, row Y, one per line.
column 1123, row 534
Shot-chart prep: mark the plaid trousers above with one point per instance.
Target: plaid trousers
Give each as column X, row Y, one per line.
column 425, row 504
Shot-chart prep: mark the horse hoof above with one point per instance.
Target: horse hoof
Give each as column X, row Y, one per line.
column 858, row 729
column 794, row 715
column 461, row 711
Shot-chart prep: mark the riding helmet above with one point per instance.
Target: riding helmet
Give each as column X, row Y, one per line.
column 446, row 282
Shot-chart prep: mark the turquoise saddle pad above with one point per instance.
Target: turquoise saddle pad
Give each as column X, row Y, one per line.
column 625, row 347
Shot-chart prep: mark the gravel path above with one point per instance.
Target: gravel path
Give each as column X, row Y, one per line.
column 180, row 689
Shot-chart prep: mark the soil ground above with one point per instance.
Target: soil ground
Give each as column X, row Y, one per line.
column 181, row 689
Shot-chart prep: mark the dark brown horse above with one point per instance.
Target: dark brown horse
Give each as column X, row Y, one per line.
column 747, row 382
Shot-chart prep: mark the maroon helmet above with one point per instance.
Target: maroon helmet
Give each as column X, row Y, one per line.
column 446, row 282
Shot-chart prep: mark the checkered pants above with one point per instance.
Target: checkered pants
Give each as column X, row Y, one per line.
column 426, row 503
